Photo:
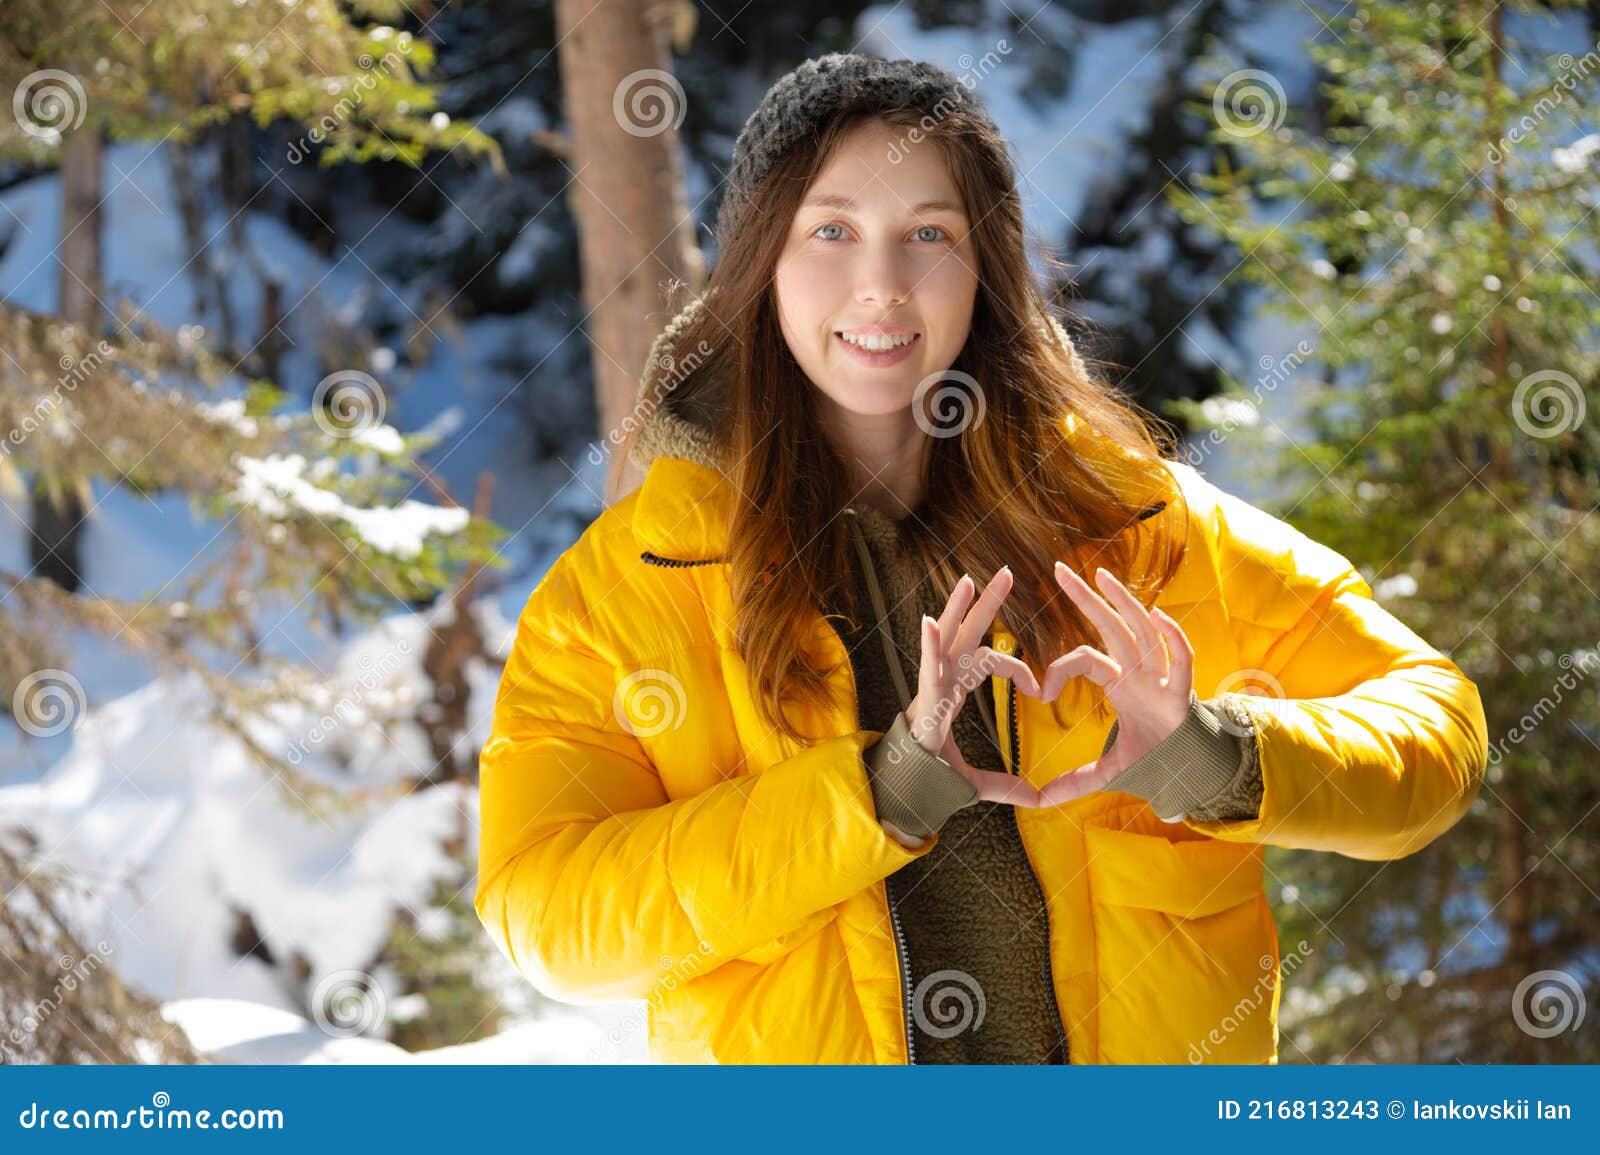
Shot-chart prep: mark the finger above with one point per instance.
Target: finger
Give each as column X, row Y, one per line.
column 1086, row 779
column 1152, row 651
column 1012, row 667
column 993, row 786
column 1084, row 661
column 981, row 616
column 1114, row 631
column 1182, row 671
column 985, row 663
column 930, row 680
column 956, row 605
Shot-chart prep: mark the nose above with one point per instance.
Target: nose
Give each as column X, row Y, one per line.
column 883, row 277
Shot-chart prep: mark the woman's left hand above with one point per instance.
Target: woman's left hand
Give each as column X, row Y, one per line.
column 1147, row 686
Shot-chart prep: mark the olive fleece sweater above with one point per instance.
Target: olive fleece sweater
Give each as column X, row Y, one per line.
column 969, row 917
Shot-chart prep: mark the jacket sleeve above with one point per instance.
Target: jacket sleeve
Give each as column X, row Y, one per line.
column 597, row 885
column 1371, row 742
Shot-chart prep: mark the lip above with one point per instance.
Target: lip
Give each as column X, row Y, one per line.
column 888, row 356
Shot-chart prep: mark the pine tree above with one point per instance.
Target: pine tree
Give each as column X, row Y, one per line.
column 1437, row 236
column 304, row 500
column 310, row 505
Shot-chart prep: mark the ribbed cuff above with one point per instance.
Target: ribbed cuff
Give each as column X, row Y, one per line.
column 1202, row 766
column 915, row 790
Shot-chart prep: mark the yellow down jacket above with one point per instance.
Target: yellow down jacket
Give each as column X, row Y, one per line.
column 645, row 835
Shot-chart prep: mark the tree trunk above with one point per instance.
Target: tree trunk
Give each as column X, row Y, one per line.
column 58, row 514
column 623, row 107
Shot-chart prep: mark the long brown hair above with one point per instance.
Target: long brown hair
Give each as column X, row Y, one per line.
column 1007, row 489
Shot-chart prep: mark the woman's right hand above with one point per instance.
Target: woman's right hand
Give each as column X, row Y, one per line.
column 953, row 663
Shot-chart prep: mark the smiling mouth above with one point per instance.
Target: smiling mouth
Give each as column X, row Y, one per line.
column 873, row 343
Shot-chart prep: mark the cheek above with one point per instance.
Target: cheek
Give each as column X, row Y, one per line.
column 806, row 293
column 947, row 293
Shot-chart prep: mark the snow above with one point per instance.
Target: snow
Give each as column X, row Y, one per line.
column 234, row 1031
column 278, row 485
column 180, row 833
column 1577, row 156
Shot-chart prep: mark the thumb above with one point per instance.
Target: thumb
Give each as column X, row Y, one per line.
column 1074, row 784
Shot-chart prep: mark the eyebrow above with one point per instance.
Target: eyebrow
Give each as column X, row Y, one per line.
column 839, row 202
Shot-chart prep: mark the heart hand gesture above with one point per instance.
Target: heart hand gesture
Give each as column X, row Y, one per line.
column 1148, row 686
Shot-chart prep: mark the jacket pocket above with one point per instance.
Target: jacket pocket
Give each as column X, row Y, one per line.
column 1186, row 950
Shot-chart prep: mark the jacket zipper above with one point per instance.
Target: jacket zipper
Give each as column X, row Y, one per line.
column 670, row 562
column 1015, row 734
column 902, row 953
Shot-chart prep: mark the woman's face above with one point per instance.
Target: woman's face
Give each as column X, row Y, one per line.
column 877, row 245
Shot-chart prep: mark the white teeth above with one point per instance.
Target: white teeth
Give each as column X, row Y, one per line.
column 876, row 343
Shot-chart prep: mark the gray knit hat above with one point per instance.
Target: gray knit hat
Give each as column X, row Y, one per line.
column 801, row 101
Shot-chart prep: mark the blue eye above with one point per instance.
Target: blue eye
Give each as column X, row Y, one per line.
column 942, row 234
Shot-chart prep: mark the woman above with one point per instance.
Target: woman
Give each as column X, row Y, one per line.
column 857, row 733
